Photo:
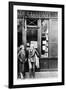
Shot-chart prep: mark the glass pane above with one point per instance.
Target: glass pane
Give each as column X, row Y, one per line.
column 53, row 38
column 31, row 21
column 53, row 50
column 31, row 35
column 53, row 31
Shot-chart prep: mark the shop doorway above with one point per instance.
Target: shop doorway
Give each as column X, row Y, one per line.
column 32, row 36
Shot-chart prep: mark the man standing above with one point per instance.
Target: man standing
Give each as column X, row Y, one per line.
column 22, row 59
column 32, row 60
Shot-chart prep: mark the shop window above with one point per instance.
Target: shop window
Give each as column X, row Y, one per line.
column 49, row 38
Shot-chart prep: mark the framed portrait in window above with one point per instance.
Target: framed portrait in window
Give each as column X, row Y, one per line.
column 36, row 44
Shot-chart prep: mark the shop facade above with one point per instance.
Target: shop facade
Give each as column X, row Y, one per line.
column 41, row 29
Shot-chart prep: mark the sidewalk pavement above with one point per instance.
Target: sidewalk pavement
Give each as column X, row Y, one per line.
column 44, row 74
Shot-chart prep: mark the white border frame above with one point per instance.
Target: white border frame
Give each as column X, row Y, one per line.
column 35, row 81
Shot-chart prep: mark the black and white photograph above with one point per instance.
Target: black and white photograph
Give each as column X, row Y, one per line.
column 37, row 44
